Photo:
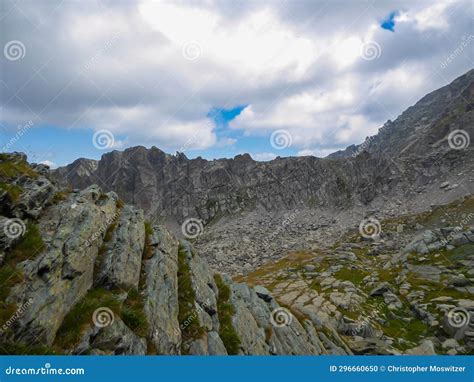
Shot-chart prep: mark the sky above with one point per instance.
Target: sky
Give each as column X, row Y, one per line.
column 219, row 78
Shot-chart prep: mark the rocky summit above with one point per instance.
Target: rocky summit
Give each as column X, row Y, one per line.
column 367, row 251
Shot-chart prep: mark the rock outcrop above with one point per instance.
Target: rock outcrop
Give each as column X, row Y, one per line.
column 97, row 279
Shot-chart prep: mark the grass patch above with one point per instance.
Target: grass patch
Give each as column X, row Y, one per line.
column 80, row 316
column 353, row 275
column 29, row 245
column 13, row 191
column 293, row 260
column 59, row 196
column 226, row 310
column 133, row 313
column 387, row 275
column 13, row 167
column 190, row 327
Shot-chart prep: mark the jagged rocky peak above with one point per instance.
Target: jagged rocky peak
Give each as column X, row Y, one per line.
column 426, row 124
column 87, row 274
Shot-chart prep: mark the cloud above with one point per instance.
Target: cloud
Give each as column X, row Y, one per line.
column 151, row 72
column 263, row 157
column 50, row 164
column 320, row 153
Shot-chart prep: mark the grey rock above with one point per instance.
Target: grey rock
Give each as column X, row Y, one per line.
column 114, row 339
column 263, row 293
column 121, row 264
column 215, row 345
column 62, row 274
column 425, row 348
column 380, row 289
column 161, row 293
column 444, row 185
column 459, row 239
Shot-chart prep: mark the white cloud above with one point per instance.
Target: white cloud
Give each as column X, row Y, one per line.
column 320, row 153
column 120, row 66
column 433, row 17
column 49, row 163
column 263, row 157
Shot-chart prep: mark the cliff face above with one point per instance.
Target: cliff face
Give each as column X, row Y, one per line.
column 82, row 273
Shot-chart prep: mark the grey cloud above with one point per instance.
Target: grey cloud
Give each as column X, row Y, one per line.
column 132, row 67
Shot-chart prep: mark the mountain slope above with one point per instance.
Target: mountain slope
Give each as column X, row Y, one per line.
column 242, row 203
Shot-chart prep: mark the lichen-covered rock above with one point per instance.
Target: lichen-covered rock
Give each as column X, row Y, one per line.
column 204, row 288
column 36, row 194
column 62, row 274
column 426, row 347
column 121, row 263
column 215, row 346
column 161, row 290
column 113, row 339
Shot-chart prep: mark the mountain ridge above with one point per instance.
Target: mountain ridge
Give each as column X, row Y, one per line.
column 398, row 171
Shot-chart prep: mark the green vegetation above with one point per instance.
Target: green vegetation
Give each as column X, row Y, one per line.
column 13, row 191
column 189, row 324
column 353, row 275
column 30, row 245
column 133, row 313
column 59, row 196
column 225, row 311
column 11, row 348
column 8, row 278
column 12, row 168
column 80, row 316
